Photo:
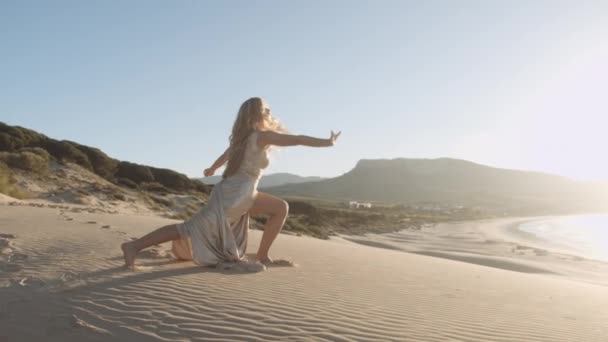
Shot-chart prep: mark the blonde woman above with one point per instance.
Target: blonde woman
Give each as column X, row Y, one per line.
column 218, row 232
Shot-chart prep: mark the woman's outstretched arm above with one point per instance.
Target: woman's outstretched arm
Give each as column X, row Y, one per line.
column 221, row 160
column 280, row 139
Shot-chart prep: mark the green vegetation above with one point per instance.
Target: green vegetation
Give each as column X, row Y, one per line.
column 322, row 219
column 25, row 160
column 28, row 150
column 7, row 185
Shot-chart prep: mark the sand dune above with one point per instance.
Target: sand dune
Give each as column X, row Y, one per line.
column 67, row 283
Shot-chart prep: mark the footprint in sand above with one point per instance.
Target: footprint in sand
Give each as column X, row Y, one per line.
column 31, row 282
column 6, row 246
column 11, row 259
column 60, row 324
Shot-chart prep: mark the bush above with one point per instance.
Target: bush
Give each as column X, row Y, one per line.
column 313, row 217
column 16, row 137
column 126, row 182
column 102, row 164
column 66, row 151
column 37, row 151
column 299, row 207
column 7, row 185
column 171, row 179
column 119, row 196
column 162, row 201
column 134, row 172
column 7, row 142
column 25, row 161
column 201, row 187
column 154, row 187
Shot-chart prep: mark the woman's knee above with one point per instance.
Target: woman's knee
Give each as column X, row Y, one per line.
column 283, row 208
column 269, row 205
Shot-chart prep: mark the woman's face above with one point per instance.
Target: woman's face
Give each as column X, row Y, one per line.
column 265, row 110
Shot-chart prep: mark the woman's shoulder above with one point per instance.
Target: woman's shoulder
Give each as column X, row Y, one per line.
column 254, row 138
column 258, row 137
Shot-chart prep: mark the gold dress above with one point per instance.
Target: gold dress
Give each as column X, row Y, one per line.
column 218, row 231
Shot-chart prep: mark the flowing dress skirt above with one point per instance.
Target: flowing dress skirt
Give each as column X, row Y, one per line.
column 218, row 231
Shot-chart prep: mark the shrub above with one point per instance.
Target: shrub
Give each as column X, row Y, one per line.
column 37, row 151
column 154, row 187
column 126, row 182
column 299, row 207
column 101, row 163
column 171, row 179
column 7, row 142
column 162, row 201
column 310, row 212
column 134, row 172
column 66, row 151
column 18, row 137
column 26, row 161
column 7, row 185
column 201, row 187
column 119, row 196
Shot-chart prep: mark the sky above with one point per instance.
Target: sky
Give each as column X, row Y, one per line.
column 511, row 84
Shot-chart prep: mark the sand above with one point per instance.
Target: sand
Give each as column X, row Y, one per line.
column 61, row 280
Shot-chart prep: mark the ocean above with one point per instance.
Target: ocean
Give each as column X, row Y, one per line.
column 585, row 236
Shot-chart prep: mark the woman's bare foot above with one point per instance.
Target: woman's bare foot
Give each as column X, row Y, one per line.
column 129, row 253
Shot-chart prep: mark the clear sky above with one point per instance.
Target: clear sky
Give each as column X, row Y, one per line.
column 514, row 84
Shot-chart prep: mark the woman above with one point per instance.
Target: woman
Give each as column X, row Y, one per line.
column 218, row 232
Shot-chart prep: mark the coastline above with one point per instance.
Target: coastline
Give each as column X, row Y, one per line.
column 497, row 243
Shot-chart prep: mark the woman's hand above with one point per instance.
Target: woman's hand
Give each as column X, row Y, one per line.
column 334, row 137
column 209, row 172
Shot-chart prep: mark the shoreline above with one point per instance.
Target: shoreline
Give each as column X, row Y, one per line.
column 496, row 243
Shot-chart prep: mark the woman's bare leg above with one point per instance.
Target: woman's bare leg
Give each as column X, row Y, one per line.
column 163, row 234
column 277, row 210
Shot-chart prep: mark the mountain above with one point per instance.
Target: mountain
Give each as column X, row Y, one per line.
column 453, row 181
column 274, row 179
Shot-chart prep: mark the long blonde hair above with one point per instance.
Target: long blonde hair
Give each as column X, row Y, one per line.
column 249, row 119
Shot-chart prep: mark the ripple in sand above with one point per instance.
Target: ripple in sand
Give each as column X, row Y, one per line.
column 59, row 324
column 9, row 267
column 17, row 257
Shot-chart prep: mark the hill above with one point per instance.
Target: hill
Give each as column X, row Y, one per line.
column 456, row 182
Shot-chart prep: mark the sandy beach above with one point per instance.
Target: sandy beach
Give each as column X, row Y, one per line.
column 62, row 279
